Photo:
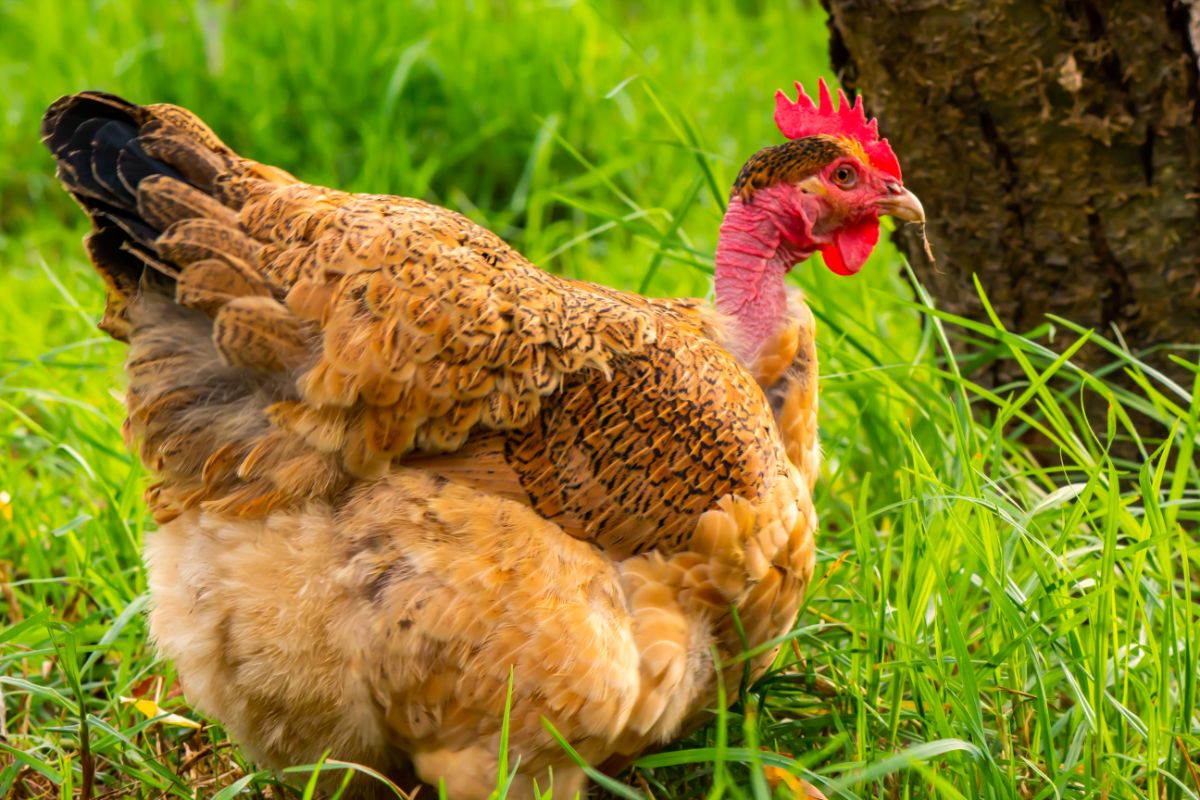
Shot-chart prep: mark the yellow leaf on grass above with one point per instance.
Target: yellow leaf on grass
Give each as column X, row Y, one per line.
column 799, row 788
column 151, row 710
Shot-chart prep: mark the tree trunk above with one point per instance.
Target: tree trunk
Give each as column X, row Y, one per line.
column 1055, row 146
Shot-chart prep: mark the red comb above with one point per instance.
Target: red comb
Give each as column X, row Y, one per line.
column 806, row 118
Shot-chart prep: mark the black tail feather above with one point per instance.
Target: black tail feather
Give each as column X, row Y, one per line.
column 94, row 139
column 107, row 144
column 68, row 113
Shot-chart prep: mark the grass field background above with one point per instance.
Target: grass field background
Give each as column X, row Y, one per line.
column 983, row 624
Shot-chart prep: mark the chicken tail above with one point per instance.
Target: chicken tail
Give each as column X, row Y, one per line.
column 212, row 346
column 162, row 192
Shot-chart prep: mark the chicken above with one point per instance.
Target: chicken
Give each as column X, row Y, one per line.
column 400, row 469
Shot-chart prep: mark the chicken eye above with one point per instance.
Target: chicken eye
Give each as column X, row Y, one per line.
column 845, row 176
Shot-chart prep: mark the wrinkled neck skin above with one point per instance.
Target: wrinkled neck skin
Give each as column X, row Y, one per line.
column 758, row 244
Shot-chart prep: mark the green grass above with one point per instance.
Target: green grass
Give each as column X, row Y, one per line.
column 984, row 624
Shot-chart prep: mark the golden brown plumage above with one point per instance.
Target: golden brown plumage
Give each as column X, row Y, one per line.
column 397, row 461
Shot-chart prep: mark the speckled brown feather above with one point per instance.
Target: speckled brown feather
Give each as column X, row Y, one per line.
column 787, row 163
column 786, row 369
column 396, row 459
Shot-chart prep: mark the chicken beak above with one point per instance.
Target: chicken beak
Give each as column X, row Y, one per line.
column 901, row 204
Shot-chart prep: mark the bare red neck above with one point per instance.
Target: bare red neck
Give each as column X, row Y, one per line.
column 759, row 242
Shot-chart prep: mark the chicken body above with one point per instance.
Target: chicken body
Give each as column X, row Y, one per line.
column 401, row 467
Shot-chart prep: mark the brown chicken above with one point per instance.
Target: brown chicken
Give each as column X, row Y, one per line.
column 399, row 466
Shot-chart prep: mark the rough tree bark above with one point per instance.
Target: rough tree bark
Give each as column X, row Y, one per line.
column 1055, row 145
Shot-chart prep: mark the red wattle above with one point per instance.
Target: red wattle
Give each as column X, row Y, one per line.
column 851, row 246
